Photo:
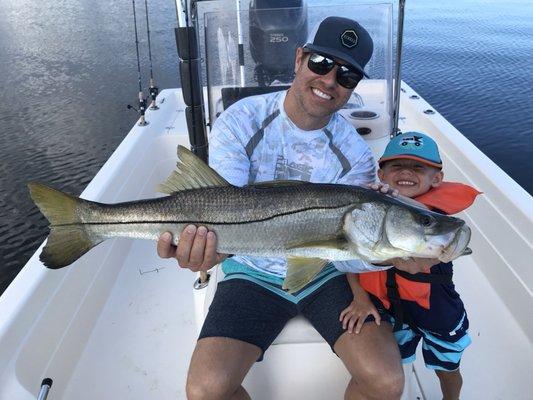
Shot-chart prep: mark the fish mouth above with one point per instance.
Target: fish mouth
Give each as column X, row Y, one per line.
column 459, row 246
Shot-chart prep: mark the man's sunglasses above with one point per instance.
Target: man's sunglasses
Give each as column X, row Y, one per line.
column 346, row 77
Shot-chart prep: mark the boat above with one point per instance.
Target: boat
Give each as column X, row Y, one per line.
column 121, row 323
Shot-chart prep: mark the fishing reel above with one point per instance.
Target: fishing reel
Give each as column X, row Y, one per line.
column 141, row 110
column 153, row 91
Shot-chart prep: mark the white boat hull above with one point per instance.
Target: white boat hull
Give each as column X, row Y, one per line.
column 121, row 323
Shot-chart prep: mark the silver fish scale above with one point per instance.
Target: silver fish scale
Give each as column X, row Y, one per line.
column 227, row 204
column 275, row 217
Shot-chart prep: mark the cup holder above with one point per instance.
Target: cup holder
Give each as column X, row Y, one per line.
column 364, row 131
column 364, row 115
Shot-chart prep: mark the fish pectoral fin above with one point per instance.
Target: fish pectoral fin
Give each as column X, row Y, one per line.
column 336, row 243
column 329, row 249
column 190, row 173
column 301, row 271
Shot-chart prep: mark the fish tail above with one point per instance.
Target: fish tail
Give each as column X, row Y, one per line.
column 69, row 238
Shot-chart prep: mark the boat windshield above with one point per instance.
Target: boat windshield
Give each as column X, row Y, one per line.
column 252, row 50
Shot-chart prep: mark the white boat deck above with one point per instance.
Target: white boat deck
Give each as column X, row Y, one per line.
column 121, row 323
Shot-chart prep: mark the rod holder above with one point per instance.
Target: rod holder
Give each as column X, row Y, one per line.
column 202, row 281
column 46, row 385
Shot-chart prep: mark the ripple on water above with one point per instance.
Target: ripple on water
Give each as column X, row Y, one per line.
column 67, row 81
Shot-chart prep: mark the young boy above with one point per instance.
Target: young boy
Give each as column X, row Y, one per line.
column 425, row 305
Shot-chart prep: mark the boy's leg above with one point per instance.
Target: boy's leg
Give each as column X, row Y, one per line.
column 450, row 383
column 243, row 320
column 442, row 352
column 371, row 357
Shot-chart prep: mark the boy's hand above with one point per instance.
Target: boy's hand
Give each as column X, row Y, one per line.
column 384, row 188
column 355, row 314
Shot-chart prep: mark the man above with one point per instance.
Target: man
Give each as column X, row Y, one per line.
column 296, row 134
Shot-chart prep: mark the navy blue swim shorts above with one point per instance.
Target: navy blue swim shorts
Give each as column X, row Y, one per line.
column 256, row 312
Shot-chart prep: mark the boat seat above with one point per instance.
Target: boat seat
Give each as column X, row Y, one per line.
column 231, row 95
column 297, row 330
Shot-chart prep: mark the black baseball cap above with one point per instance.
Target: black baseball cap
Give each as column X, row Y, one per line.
column 342, row 38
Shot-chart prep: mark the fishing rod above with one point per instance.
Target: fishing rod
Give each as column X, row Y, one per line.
column 397, row 78
column 142, row 100
column 153, row 90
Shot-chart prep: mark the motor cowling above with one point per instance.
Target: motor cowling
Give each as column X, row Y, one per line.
column 277, row 28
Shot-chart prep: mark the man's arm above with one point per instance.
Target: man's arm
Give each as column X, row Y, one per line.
column 196, row 248
column 363, row 167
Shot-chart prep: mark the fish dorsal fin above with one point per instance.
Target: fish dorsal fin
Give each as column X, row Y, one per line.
column 270, row 184
column 190, row 173
column 301, row 271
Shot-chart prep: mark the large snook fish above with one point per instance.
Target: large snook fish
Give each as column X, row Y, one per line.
column 308, row 223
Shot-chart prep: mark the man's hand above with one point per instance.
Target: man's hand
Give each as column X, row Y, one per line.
column 384, row 188
column 413, row 265
column 196, row 248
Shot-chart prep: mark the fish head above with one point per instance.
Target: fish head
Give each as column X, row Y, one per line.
column 423, row 233
column 363, row 226
column 381, row 231
column 459, row 245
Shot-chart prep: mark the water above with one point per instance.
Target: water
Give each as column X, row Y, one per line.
column 69, row 69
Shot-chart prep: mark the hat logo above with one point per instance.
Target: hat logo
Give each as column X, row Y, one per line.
column 413, row 141
column 349, row 38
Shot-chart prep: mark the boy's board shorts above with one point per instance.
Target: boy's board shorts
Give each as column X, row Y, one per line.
column 252, row 306
column 441, row 350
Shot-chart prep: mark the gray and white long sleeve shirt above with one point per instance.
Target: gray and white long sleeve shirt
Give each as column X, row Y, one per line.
column 254, row 141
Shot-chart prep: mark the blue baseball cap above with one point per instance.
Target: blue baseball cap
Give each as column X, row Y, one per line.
column 415, row 146
column 342, row 38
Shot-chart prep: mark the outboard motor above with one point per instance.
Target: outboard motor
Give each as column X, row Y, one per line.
column 277, row 28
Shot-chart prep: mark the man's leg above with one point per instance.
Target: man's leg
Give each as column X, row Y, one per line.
column 372, row 356
column 373, row 359
column 218, row 367
column 450, row 383
column 243, row 320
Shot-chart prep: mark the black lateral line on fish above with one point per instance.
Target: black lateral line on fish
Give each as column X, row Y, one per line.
column 207, row 222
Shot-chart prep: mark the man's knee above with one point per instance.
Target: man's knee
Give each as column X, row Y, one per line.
column 391, row 385
column 211, row 385
column 382, row 384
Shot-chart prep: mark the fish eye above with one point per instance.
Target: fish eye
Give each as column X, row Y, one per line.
column 427, row 220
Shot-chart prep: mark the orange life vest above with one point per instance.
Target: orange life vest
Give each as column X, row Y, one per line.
column 449, row 197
